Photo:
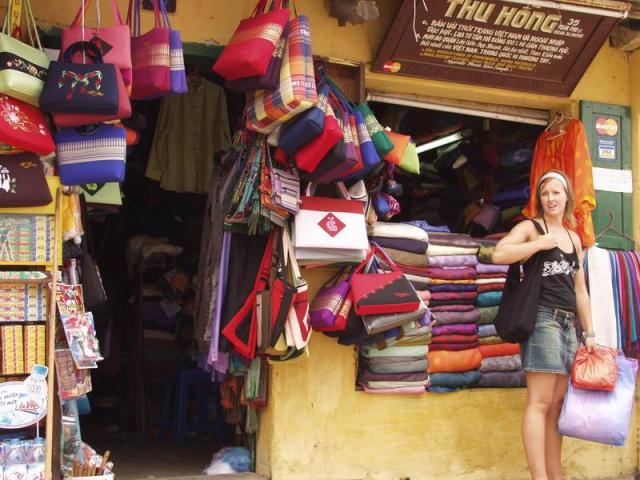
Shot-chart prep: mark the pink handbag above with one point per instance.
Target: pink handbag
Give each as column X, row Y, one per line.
column 79, row 119
column 114, row 42
column 150, row 55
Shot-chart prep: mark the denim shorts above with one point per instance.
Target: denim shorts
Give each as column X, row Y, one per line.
column 552, row 346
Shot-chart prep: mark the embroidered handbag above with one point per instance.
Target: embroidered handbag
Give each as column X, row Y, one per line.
column 150, row 55
column 114, row 42
column 62, row 119
column 81, row 88
column 24, row 126
column 250, row 50
column 23, row 67
column 519, row 304
column 384, row 292
column 596, row 370
column 22, row 181
column 91, row 155
column 302, row 129
column 296, row 92
column 178, row 74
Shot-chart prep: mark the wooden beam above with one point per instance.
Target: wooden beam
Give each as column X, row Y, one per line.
column 625, row 38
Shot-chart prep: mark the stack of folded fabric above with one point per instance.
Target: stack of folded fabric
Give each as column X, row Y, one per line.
column 501, row 365
column 454, row 358
column 397, row 369
column 404, row 243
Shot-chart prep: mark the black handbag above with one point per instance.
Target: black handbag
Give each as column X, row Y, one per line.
column 519, row 305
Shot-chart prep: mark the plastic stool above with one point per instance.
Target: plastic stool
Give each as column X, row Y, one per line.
column 179, row 384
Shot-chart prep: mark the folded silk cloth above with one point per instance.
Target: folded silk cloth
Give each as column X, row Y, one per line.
column 397, row 230
column 461, row 379
column 490, row 287
column 490, row 340
column 459, row 301
column 440, row 281
column 461, row 361
column 436, row 389
column 396, row 391
column 387, row 385
column 414, row 341
column 510, row 213
column 489, row 276
column 491, row 268
column 503, row 379
column 406, row 244
column 601, row 296
column 453, row 240
column 454, row 339
column 488, row 299
column 487, row 330
column 487, row 315
column 452, row 288
column 496, row 279
column 512, row 196
column 452, row 308
column 442, row 273
column 407, row 258
column 452, row 347
column 505, row 363
column 370, row 352
column 455, row 329
column 449, row 317
column 453, row 296
column 499, row 349
column 368, row 376
column 399, row 367
column 453, row 260
column 485, row 252
column 424, row 225
column 435, row 250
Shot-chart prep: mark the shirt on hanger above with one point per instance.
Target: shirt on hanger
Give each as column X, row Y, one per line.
column 191, row 128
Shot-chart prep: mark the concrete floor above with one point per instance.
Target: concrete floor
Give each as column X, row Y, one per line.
column 136, row 459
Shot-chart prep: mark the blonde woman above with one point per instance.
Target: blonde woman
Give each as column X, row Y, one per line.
column 548, row 353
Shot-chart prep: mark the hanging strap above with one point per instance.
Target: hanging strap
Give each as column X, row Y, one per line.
column 115, row 11
column 32, row 29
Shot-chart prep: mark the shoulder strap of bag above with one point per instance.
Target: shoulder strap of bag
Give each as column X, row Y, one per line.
column 32, row 29
column 115, row 11
column 539, row 228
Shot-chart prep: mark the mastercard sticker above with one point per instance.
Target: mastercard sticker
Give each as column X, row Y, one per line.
column 607, row 126
column 391, row 67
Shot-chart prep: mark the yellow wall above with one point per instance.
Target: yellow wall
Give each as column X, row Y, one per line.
column 317, row 426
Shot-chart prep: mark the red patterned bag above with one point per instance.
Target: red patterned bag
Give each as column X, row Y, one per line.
column 24, row 127
column 250, row 50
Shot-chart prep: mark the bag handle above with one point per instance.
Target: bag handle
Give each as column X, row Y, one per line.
column 133, row 16
column 32, row 29
column 373, row 252
column 290, row 257
column 115, row 11
column 84, row 47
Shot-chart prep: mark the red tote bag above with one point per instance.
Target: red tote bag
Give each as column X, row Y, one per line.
column 114, row 42
column 78, row 119
column 250, row 50
column 24, row 127
column 150, row 56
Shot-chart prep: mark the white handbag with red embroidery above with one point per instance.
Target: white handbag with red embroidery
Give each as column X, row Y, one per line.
column 330, row 230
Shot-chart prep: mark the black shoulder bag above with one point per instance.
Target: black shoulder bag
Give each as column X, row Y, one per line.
column 519, row 305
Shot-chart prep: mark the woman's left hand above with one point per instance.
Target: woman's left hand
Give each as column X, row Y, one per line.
column 590, row 342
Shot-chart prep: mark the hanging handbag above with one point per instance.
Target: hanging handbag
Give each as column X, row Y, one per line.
column 298, row 326
column 302, row 129
column 310, row 155
column 379, row 137
column 410, row 161
column 370, row 156
column 24, row 67
column 384, row 292
column 296, row 91
column 22, row 181
column 81, row 88
column 250, row 50
column 79, row 119
column 24, row 127
column 596, row 370
column 518, row 308
column 327, row 303
column 114, row 42
column 400, row 143
column 178, row 75
column 602, row 417
column 150, row 55
column 102, row 193
column 91, row 155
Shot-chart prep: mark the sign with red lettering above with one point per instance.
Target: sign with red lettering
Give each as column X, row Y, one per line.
column 502, row 44
column 19, row 407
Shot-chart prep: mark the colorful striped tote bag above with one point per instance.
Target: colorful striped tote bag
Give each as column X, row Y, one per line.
column 266, row 109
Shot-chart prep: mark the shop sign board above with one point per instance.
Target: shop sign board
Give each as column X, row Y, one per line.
column 502, row 44
column 23, row 403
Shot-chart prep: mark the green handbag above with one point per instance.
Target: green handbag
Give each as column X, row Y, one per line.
column 380, row 140
column 410, row 161
column 102, row 193
column 23, row 68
